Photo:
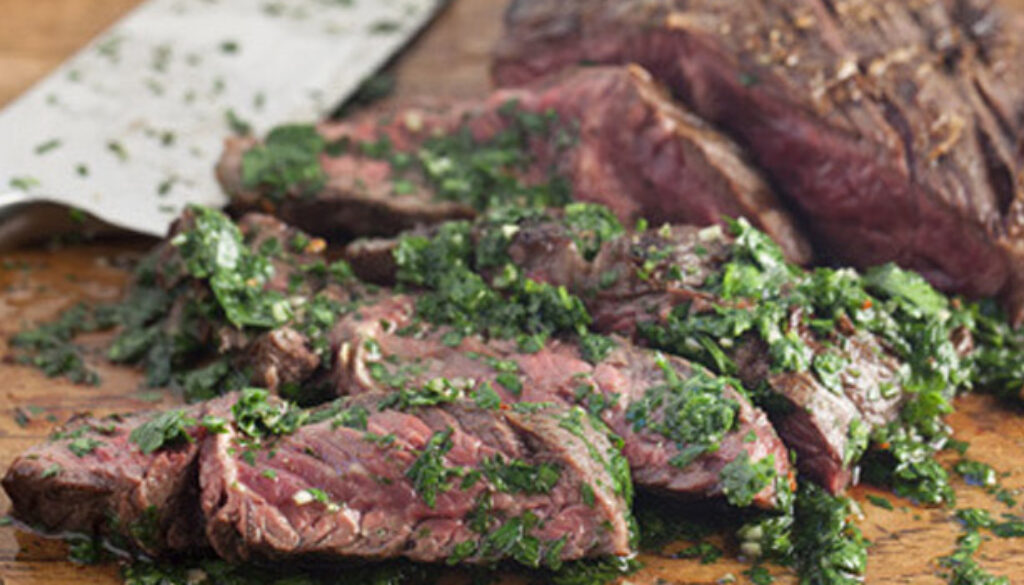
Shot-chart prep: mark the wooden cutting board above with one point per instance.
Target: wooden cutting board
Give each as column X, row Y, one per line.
column 450, row 60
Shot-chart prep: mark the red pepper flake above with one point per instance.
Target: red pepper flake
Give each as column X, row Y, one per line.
column 867, row 304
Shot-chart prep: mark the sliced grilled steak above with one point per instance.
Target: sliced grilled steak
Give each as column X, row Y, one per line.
column 684, row 431
column 612, row 134
column 894, row 128
column 360, row 478
column 631, row 285
column 92, row 479
column 428, row 484
column 638, row 283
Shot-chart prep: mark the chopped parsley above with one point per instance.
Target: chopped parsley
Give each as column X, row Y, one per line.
column 828, row 549
column 433, row 392
column 83, row 446
column 691, row 411
column 516, row 476
column 508, row 306
column 287, row 162
column 486, row 174
column 165, row 429
column 428, row 473
column 258, row 416
column 742, row 479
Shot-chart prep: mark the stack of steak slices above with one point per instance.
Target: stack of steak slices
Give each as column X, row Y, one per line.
column 608, row 135
column 437, row 451
column 332, row 359
column 893, row 129
column 252, row 477
column 825, row 381
column 685, row 432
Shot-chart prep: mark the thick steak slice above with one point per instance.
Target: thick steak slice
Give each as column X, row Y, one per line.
column 611, row 134
column 894, row 128
column 428, row 484
column 92, row 479
column 640, row 394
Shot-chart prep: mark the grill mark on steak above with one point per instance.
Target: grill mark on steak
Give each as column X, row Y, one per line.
column 374, row 358
column 635, row 150
column 811, row 114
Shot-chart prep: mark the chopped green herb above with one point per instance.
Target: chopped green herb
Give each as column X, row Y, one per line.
column 45, row 147
column 518, row 476
column 83, row 446
column 880, row 502
column 118, row 150
column 258, row 416
column 742, row 479
column 976, row 473
column 165, row 429
column 428, row 473
column 287, row 162
column 237, row 124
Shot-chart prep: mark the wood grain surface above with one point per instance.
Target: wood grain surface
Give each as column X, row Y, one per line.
column 448, row 60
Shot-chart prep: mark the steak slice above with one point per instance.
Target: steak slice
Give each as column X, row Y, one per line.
column 92, row 479
column 612, row 134
column 649, row 400
column 428, row 484
column 894, row 129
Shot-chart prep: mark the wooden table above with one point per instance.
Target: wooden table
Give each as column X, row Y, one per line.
column 449, row 60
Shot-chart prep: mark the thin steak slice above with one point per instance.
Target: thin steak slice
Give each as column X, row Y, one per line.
column 894, row 128
column 371, row 481
column 611, row 135
column 92, row 479
column 666, row 411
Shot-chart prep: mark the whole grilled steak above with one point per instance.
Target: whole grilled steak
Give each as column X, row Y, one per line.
column 684, row 431
column 608, row 135
column 894, row 128
column 360, row 478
